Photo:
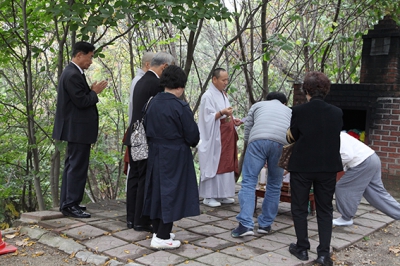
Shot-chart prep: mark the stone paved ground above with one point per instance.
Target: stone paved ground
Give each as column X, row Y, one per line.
column 206, row 239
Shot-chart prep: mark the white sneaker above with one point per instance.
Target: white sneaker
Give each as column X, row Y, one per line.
column 172, row 235
column 159, row 243
column 226, row 200
column 342, row 222
column 211, row 202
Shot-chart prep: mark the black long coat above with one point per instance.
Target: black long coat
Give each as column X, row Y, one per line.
column 171, row 186
column 316, row 127
column 77, row 118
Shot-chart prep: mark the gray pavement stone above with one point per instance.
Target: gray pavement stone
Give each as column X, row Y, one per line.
column 291, row 231
column 345, row 235
column 128, row 252
column 97, row 259
column 277, row 226
column 223, row 213
column 273, row 259
column 353, row 229
column 93, row 218
column 243, row 251
column 111, row 213
column 70, row 246
column 188, row 236
column 369, row 223
column 161, row 258
column 285, row 219
column 227, row 236
column 83, row 255
column 377, row 217
column 41, row 215
column 265, row 245
column 51, row 240
column 250, row 262
column 281, row 238
column 205, row 218
column 144, row 243
column 213, row 243
column 115, row 263
column 233, row 207
column 207, row 230
column 113, row 226
column 131, row 235
column 84, row 232
column 59, row 223
column 227, row 224
column 191, row 251
column 339, row 244
column 102, row 243
column 33, row 231
column 191, row 263
column 219, row 259
column 187, row 223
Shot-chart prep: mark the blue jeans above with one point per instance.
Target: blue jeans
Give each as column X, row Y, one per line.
column 258, row 152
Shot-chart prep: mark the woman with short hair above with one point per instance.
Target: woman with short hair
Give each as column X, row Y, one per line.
column 171, row 186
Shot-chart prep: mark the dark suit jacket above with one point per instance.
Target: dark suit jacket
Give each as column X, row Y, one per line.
column 147, row 86
column 316, row 127
column 77, row 118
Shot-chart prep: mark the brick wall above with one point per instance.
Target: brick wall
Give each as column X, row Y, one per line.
column 385, row 134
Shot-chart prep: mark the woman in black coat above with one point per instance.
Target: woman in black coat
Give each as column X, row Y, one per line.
column 171, row 186
column 315, row 161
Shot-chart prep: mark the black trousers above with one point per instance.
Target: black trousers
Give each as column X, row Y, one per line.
column 75, row 174
column 324, row 187
column 135, row 192
column 161, row 229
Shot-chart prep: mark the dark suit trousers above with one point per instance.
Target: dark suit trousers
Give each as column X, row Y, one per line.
column 324, row 187
column 135, row 192
column 75, row 174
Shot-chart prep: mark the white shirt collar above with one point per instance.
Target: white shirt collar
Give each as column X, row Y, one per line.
column 154, row 73
column 80, row 69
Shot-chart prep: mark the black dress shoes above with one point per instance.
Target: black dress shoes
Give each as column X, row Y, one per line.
column 324, row 261
column 300, row 254
column 129, row 225
column 147, row 228
column 82, row 207
column 75, row 211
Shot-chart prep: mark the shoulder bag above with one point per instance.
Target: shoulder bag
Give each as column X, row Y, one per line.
column 139, row 147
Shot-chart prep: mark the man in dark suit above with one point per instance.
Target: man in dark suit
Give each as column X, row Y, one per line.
column 315, row 161
column 146, row 87
column 77, row 122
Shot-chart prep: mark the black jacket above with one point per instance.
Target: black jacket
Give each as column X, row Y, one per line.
column 316, row 127
column 147, row 86
column 77, row 118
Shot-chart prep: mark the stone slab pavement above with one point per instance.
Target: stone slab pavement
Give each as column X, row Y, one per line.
column 104, row 238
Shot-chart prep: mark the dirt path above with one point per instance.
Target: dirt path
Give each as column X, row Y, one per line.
column 382, row 248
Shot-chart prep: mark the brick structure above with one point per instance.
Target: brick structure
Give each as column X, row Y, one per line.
column 374, row 104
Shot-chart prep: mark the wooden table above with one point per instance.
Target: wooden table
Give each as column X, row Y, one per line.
column 287, row 197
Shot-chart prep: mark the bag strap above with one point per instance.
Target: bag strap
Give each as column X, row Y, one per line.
column 136, row 124
column 147, row 104
column 289, row 136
